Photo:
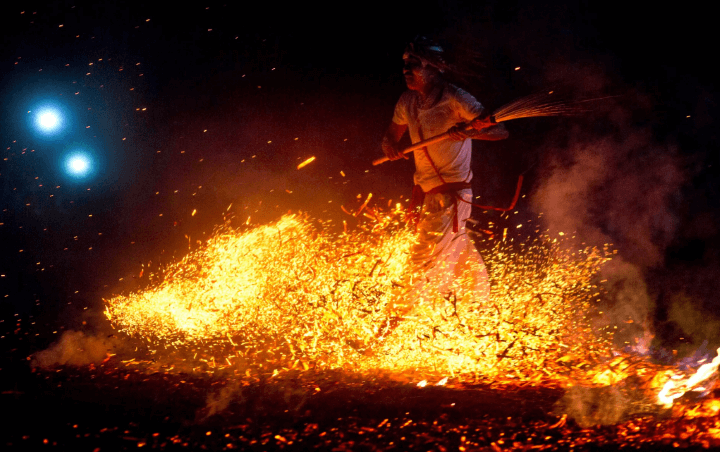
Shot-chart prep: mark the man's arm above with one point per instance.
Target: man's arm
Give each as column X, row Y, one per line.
column 391, row 139
column 484, row 124
column 483, row 130
column 493, row 132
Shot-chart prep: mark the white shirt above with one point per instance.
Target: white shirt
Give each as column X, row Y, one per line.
column 452, row 158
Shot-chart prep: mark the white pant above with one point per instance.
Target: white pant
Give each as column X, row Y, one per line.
column 447, row 261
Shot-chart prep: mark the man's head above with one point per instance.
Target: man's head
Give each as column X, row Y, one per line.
column 423, row 63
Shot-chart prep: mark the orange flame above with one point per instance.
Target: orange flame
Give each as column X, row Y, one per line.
column 677, row 386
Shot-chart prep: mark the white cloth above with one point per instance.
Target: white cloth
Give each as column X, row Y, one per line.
column 452, row 158
column 448, row 261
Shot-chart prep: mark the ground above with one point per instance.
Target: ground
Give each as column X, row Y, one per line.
column 124, row 406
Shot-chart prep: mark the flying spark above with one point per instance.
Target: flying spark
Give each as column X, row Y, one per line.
column 293, row 294
column 306, row 162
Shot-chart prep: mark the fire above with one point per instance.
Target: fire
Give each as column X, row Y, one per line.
column 708, row 408
column 296, row 295
column 677, row 386
column 616, row 371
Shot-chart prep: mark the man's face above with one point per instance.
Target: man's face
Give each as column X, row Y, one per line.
column 418, row 77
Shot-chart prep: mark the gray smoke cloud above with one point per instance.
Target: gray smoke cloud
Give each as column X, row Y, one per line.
column 219, row 401
column 694, row 321
column 620, row 190
column 608, row 179
column 75, row 348
column 593, row 406
column 265, row 395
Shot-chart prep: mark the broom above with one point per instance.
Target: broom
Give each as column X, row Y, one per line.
column 531, row 106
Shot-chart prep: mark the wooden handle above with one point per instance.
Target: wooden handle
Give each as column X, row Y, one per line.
column 376, row 162
column 423, row 143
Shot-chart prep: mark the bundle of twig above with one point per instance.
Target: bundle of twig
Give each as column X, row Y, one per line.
column 540, row 104
column 534, row 105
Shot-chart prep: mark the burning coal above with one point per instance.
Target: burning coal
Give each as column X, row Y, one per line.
column 295, row 295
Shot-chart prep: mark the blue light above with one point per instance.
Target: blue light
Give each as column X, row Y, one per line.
column 49, row 120
column 78, row 164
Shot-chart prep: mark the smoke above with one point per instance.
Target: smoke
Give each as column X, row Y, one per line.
column 218, row 402
column 75, row 348
column 617, row 189
column 605, row 178
column 593, row 406
column 693, row 321
column 252, row 399
column 608, row 190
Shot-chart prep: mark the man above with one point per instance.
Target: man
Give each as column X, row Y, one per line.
column 432, row 106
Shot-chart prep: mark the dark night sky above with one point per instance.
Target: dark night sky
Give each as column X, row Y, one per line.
column 200, row 105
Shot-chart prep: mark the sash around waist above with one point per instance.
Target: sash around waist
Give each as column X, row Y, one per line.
column 448, row 187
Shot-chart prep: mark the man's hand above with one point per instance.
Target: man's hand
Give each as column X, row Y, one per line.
column 492, row 133
column 458, row 134
column 391, row 139
column 486, row 128
column 392, row 150
column 480, row 127
column 483, row 122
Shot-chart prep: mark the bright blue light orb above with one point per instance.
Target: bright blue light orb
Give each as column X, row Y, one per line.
column 48, row 120
column 78, row 164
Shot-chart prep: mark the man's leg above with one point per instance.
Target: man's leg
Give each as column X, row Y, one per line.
column 431, row 271
column 439, row 258
column 469, row 272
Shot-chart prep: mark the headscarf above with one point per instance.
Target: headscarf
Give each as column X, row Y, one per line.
column 428, row 52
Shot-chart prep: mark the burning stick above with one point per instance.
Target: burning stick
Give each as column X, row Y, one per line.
column 535, row 105
column 369, row 197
